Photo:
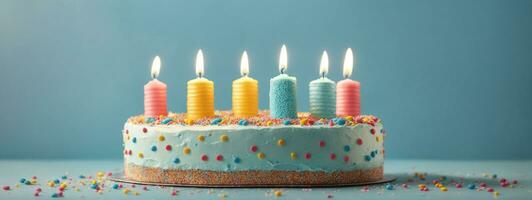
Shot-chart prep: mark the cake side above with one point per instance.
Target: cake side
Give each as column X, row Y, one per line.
column 237, row 148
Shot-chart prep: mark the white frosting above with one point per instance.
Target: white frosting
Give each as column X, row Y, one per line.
column 298, row 139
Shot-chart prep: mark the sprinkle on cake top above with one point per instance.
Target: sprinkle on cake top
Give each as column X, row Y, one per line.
column 261, row 119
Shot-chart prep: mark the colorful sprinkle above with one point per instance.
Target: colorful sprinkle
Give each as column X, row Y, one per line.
column 150, row 120
column 293, row 155
column 154, row 148
column 372, row 131
column 261, row 155
column 161, row 138
column 332, row 156
column 237, row 160
column 308, row 156
column 278, row 193
column 347, row 148
column 496, row 194
column 389, row 186
column 204, row 157
column 281, row 142
column 340, row 121
column 471, row 186
column 346, row 159
column 166, row 120
column 144, row 130
column 216, row 121
column 6, row 187
column 134, row 140
column 177, row 161
column 359, row 141
column 186, row 150
column 200, row 138
column 219, row 157
column 253, row 148
column 367, row 158
column 168, row 148
column 140, row 155
column 322, row 143
column 243, row 122
column 287, row 122
column 189, row 121
column 224, row 138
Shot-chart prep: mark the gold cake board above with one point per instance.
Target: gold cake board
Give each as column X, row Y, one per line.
column 119, row 177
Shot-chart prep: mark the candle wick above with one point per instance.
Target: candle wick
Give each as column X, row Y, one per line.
column 200, row 75
column 323, row 75
column 282, row 70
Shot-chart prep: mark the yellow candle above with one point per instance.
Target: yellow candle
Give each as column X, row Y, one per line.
column 245, row 92
column 200, row 93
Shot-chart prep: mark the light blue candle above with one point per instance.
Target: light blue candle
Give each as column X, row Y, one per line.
column 283, row 102
column 322, row 93
column 322, row 99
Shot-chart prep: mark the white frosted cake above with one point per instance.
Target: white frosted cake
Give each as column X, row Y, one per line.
column 225, row 150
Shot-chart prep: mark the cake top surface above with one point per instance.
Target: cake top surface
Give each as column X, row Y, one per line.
column 261, row 119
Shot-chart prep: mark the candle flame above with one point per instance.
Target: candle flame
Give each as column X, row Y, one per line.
column 244, row 64
column 324, row 64
column 283, row 60
column 348, row 63
column 199, row 64
column 155, row 67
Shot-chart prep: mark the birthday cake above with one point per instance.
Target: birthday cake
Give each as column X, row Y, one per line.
column 227, row 150
column 331, row 145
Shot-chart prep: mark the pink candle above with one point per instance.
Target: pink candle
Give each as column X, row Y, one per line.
column 348, row 98
column 155, row 93
column 348, row 91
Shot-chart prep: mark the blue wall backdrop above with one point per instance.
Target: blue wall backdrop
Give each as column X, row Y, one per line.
column 450, row 79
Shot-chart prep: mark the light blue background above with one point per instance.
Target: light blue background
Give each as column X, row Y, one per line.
column 450, row 79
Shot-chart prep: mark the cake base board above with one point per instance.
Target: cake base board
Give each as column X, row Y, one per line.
column 119, row 177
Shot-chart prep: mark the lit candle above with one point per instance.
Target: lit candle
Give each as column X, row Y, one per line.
column 200, row 93
column 245, row 92
column 348, row 91
column 283, row 91
column 322, row 97
column 155, row 93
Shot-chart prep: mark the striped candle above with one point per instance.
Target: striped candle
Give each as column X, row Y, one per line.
column 155, row 93
column 245, row 92
column 322, row 97
column 348, row 91
column 200, row 93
